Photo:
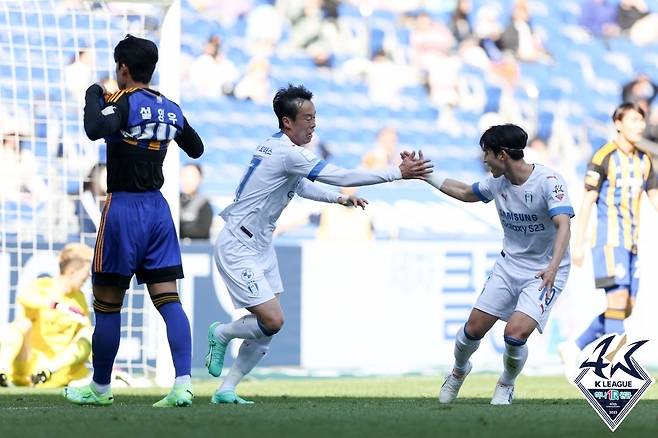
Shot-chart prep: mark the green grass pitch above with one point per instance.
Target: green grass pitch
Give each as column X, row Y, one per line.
column 341, row 408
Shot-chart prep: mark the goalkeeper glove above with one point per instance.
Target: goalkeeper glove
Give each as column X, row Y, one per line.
column 41, row 377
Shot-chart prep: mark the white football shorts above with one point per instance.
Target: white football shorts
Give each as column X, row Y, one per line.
column 251, row 277
column 511, row 288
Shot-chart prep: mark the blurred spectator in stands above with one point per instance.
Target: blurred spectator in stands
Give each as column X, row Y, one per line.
column 312, row 30
column 519, row 37
column 340, row 223
column 537, row 152
column 225, row 12
column 78, row 74
column 18, row 167
column 255, row 84
column 640, row 90
column 88, row 207
column 212, row 74
column 385, row 151
column 430, row 41
column 630, row 12
column 488, row 30
column 385, row 80
column 599, row 17
column 195, row 209
column 460, row 25
column 636, row 20
column 264, row 29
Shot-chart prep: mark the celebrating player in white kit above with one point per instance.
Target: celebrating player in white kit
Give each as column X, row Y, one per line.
column 532, row 269
column 279, row 169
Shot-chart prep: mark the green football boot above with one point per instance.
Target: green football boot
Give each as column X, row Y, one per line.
column 229, row 397
column 216, row 352
column 86, row 395
column 180, row 396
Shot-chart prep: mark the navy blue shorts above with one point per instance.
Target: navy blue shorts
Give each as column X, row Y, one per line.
column 136, row 237
column 616, row 268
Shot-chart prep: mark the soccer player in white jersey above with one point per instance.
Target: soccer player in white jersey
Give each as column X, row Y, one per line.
column 535, row 212
column 279, row 169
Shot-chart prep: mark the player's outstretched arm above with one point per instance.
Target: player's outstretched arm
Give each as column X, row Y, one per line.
column 578, row 254
column 451, row 187
column 189, row 141
column 411, row 168
column 100, row 119
column 308, row 190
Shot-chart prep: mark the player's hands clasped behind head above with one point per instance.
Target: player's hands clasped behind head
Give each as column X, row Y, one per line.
column 415, row 167
column 353, row 201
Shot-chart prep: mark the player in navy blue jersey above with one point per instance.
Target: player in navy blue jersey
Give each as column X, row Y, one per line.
column 136, row 234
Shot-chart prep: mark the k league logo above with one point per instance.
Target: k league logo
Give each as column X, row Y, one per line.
column 612, row 380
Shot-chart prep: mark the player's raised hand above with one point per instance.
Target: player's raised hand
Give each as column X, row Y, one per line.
column 415, row 168
column 353, row 201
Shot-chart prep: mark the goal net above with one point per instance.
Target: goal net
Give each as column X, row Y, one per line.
column 53, row 176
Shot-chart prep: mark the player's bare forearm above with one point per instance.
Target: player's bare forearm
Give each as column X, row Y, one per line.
column 563, row 225
column 456, row 189
column 589, row 198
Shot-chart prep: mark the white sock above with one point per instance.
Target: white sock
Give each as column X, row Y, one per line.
column 464, row 348
column 251, row 352
column 100, row 389
column 244, row 328
column 513, row 360
column 183, row 380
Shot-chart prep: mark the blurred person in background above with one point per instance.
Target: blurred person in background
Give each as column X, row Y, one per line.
column 636, row 20
column 18, row 167
column 460, row 24
column 599, row 17
column 642, row 91
column 88, row 207
column 617, row 176
column 195, row 209
column 385, row 151
column 49, row 341
column 212, row 74
column 339, row 223
column 255, row 84
column 78, row 73
column 519, row 37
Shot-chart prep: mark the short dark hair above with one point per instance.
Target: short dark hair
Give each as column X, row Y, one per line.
column 510, row 138
column 625, row 107
column 139, row 55
column 287, row 101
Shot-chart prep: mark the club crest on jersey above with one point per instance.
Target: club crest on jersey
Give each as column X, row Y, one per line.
column 612, row 380
column 528, row 197
column 247, row 276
